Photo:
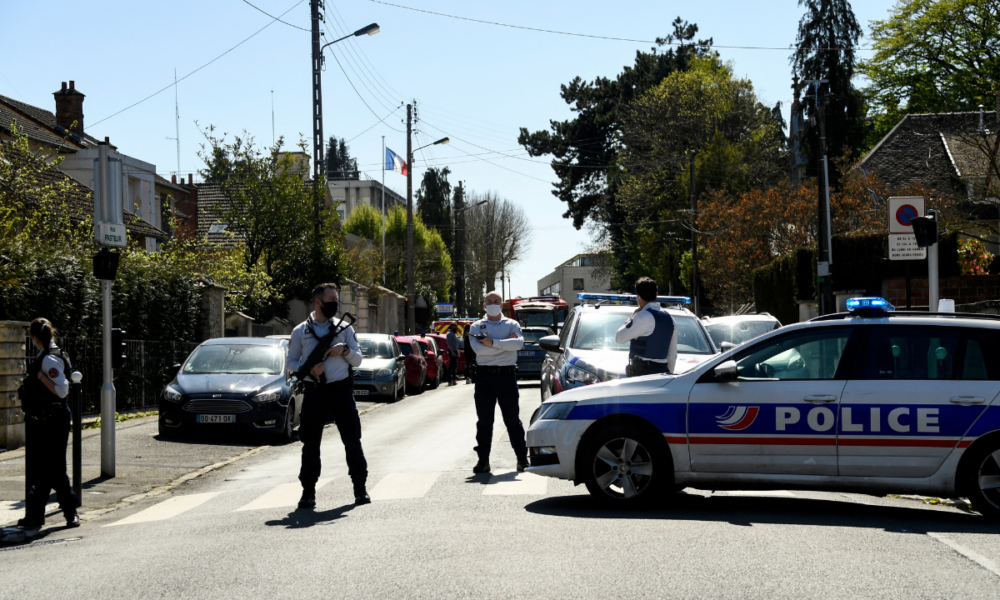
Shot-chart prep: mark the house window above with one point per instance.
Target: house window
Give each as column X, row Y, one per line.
column 578, row 284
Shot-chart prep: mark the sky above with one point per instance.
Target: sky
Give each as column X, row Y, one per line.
column 476, row 83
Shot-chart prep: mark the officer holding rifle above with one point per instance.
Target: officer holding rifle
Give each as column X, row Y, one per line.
column 323, row 352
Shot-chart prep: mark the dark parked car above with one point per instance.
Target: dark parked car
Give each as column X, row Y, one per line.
column 382, row 374
column 415, row 363
column 233, row 382
column 530, row 358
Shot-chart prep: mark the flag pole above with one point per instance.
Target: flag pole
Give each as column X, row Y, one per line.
column 383, row 210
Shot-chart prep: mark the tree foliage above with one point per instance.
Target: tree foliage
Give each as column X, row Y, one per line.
column 932, row 56
column 339, row 162
column 497, row 236
column 434, row 201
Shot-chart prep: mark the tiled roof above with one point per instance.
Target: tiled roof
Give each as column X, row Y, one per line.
column 33, row 130
column 967, row 153
column 927, row 149
column 42, row 116
column 211, row 205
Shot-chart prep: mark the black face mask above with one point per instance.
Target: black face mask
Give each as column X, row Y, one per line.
column 330, row 309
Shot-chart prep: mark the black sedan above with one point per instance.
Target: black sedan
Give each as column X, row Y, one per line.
column 232, row 382
column 530, row 358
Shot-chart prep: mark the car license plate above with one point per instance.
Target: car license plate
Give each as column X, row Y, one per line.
column 216, row 418
column 525, row 352
column 360, row 392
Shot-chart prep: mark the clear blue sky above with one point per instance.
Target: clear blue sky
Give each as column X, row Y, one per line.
column 475, row 82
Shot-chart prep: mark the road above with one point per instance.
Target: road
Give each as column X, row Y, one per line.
column 436, row 530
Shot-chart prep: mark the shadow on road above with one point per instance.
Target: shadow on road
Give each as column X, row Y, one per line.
column 750, row 511
column 300, row 519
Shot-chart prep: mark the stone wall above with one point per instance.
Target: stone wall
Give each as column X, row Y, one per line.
column 12, row 336
column 213, row 307
column 963, row 289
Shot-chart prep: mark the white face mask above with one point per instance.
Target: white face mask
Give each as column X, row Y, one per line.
column 493, row 309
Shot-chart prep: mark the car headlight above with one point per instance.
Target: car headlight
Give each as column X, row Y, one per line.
column 556, row 410
column 578, row 375
column 383, row 373
column 267, row 396
column 172, row 394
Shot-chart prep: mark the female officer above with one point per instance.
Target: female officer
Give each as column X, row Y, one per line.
column 47, row 421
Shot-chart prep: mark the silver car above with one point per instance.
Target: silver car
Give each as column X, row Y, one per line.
column 729, row 332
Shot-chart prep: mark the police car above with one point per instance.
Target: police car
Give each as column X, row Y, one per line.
column 869, row 401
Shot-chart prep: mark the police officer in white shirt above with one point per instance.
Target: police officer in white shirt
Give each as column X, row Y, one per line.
column 651, row 334
column 496, row 340
column 329, row 395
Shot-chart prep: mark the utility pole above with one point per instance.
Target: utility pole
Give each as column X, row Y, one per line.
column 410, row 291
column 694, row 239
column 823, row 254
column 383, row 210
column 317, row 98
column 108, row 396
column 460, row 250
column 670, row 263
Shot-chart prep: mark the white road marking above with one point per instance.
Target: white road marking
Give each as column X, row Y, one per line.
column 508, row 483
column 12, row 510
column 397, row 486
column 972, row 555
column 167, row 509
column 282, row 496
column 780, row 493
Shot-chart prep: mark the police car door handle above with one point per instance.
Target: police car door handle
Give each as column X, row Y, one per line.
column 819, row 399
column 967, row 400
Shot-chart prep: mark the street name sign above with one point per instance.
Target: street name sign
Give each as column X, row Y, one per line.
column 902, row 242
column 112, row 235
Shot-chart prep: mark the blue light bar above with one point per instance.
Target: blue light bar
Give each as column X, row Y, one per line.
column 869, row 304
column 631, row 298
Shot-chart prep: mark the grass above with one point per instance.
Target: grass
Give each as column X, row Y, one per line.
column 122, row 418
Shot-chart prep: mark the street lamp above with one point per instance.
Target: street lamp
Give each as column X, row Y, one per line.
column 369, row 30
column 411, row 295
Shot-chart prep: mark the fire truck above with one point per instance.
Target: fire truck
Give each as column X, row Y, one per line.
column 537, row 311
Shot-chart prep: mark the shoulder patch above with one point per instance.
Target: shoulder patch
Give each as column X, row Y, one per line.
column 53, row 373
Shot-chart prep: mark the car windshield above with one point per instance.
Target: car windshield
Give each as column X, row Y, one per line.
column 532, row 337
column 597, row 332
column 544, row 318
column 405, row 349
column 235, row 359
column 375, row 348
column 737, row 333
column 423, row 345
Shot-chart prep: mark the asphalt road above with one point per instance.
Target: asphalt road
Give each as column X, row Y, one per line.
column 435, row 530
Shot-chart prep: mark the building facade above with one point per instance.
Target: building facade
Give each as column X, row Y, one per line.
column 348, row 194
column 579, row 274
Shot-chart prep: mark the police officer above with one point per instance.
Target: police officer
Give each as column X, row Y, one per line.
column 47, row 421
column 651, row 334
column 328, row 395
column 470, row 357
column 452, row 339
column 495, row 341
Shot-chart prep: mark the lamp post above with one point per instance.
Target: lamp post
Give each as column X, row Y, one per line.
column 411, row 295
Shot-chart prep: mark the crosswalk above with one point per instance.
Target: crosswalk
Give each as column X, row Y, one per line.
column 390, row 486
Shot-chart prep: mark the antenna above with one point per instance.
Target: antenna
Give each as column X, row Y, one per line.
column 272, row 117
column 177, row 124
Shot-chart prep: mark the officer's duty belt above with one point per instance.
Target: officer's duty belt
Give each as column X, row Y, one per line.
column 480, row 369
column 330, row 385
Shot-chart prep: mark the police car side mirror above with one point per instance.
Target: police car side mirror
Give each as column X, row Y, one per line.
column 726, row 371
column 727, row 346
column 550, row 343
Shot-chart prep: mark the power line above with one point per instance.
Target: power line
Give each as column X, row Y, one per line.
column 603, row 37
column 359, row 93
column 373, row 126
column 161, row 90
column 276, row 18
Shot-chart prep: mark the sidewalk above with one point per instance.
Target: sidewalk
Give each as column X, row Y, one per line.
column 145, row 465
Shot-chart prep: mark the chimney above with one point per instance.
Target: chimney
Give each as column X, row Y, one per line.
column 190, row 179
column 182, row 181
column 69, row 108
column 173, row 179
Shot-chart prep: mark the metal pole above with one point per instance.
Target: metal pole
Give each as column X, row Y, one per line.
column 317, row 84
column 77, row 438
column 410, row 292
column 829, row 226
column 108, row 386
column 933, row 281
column 383, row 210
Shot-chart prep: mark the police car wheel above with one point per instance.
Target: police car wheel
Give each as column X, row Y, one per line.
column 982, row 480
column 623, row 466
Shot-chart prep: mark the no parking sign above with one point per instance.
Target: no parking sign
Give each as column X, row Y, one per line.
column 902, row 243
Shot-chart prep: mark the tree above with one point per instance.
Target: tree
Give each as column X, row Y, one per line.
column 339, row 163
column 497, row 237
column 825, row 49
column 932, row 56
column 434, row 202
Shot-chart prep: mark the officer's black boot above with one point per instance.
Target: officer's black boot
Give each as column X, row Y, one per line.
column 522, row 464
column 483, row 466
column 361, row 495
column 72, row 519
column 308, row 499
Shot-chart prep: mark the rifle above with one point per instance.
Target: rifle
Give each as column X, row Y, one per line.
column 324, row 343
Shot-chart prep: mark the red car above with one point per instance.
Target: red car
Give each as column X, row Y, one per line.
column 435, row 364
column 416, row 365
column 442, row 344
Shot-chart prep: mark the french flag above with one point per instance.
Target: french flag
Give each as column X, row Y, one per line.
column 394, row 163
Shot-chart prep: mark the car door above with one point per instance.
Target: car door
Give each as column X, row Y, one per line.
column 779, row 415
column 554, row 361
column 912, row 396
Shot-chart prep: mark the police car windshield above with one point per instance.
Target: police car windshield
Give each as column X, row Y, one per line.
column 375, row 348
column 532, row 337
column 235, row 359
column 737, row 333
column 597, row 328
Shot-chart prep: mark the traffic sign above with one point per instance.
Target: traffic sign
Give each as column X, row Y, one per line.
column 902, row 211
column 445, row 308
column 903, row 246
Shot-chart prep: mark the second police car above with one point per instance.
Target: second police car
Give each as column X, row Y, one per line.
column 869, row 401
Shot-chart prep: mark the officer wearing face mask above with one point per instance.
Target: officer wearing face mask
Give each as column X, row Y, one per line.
column 329, row 395
column 496, row 340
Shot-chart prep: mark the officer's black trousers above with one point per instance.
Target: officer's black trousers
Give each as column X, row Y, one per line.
column 493, row 389
column 45, row 464
column 321, row 404
column 453, row 369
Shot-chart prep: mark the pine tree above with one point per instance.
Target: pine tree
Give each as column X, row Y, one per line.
column 434, row 201
column 339, row 164
column 825, row 49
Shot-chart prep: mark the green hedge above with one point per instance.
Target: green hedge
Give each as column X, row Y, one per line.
column 777, row 286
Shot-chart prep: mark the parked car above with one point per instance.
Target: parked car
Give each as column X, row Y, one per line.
column 232, row 382
column 414, row 362
column 729, row 332
column 435, row 364
column 585, row 351
column 382, row 374
column 531, row 357
column 442, row 346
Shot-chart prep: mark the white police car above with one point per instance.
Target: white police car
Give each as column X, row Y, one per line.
column 870, row 401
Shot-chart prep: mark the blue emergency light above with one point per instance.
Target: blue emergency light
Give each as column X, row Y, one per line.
column 631, row 298
column 875, row 305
